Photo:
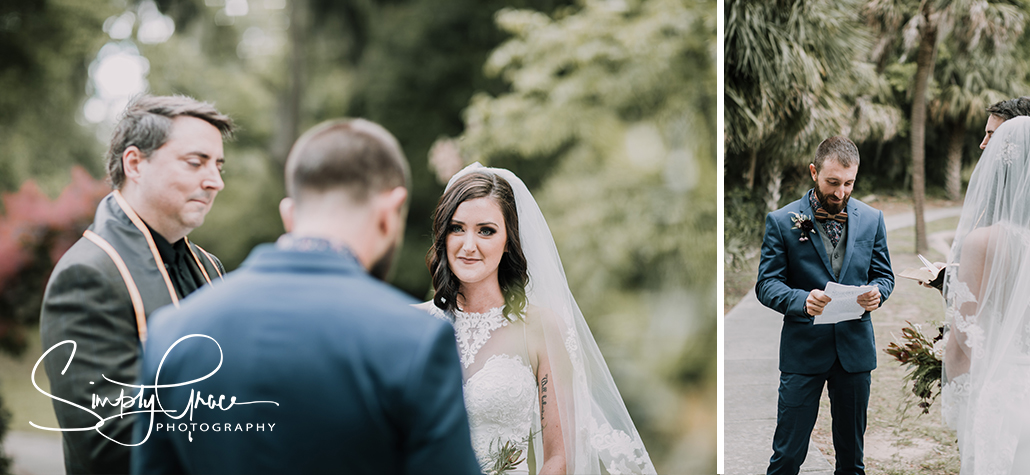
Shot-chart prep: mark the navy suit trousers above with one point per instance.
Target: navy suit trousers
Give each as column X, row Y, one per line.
column 798, row 408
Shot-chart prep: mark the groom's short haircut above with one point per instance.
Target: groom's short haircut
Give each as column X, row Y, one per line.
column 1010, row 108
column 840, row 148
column 357, row 156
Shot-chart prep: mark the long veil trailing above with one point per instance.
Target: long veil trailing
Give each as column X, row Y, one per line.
column 596, row 427
column 986, row 394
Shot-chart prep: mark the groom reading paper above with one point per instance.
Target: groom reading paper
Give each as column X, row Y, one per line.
column 824, row 238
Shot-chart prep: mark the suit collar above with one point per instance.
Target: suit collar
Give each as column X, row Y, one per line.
column 854, row 215
column 267, row 257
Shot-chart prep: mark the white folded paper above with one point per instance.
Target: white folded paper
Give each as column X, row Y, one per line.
column 843, row 303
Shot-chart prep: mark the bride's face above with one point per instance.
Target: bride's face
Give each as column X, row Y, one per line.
column 476, row 239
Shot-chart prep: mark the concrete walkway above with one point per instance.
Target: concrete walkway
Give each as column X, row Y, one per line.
column 751, row 378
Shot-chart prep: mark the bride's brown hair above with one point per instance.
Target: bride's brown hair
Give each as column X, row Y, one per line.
column 512, row 272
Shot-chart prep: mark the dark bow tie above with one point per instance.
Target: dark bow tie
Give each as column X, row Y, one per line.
column 822, row 216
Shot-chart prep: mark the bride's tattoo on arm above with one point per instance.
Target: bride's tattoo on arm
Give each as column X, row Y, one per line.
column 543, row 396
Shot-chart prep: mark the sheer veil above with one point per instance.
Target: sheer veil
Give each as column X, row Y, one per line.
column 986, row 395
column 596, row 426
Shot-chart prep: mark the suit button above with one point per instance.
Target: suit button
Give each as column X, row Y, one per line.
column 836, row 256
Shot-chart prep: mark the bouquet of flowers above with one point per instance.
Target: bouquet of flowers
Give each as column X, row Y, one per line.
column 506, row 457
column 925, row 356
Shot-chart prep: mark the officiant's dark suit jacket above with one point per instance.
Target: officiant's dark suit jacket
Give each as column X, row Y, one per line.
column 791, row 268
column 362, row 382
column 89, row 301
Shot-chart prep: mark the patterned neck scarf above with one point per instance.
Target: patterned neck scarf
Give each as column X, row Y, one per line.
column 832, row 223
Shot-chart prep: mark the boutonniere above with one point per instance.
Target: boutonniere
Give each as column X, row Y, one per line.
column 802, row 222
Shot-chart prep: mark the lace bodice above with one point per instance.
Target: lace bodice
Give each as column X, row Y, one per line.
column 500, row 384
column 472, row 330
column 501, row 400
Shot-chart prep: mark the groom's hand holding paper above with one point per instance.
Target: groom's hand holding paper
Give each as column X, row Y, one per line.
column 870, row 300
column 816, row 302
column 847, row 302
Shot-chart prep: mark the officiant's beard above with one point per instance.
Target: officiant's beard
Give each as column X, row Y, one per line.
column 830, row 208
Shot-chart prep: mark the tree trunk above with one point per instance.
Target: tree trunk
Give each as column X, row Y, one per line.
column 954, row 169
column 924, row 69
column 749, row 175
column 290, row 98
column 772, row 197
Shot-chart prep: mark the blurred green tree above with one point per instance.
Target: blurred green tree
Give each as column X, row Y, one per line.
column 610, row 118
column 45, row 48
column 923, row 25
column 409, row 65
column 795, row 75
column 423, row 62
column 968, row 84
column 972, row 72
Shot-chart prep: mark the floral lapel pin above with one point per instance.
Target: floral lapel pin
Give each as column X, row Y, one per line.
column 802, row 222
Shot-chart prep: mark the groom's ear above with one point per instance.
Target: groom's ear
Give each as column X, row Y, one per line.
column 286, row 210
column 392, row 211
column 815, row 174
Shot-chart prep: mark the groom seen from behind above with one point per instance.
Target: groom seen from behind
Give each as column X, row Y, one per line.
column 824, row 237
column 330, row 370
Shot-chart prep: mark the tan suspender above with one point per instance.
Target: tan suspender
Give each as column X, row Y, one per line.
column 130, row 284
column 150, row 242
column 212, row 261
column 137, row 299
column 201, row 266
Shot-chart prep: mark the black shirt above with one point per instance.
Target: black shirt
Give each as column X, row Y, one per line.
column 186, row 278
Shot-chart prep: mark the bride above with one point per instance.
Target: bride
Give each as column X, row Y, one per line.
column 986, row 395
column 534, row 379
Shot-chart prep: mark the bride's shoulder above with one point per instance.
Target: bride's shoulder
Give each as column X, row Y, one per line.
column 431, row 308
column 534, row 311
column 539, row 317
column 980, row 240
column 1015, row 231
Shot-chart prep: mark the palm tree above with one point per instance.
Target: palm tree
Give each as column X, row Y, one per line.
column 792, row 79
column 966, row 92
column 976, row 75
column 923, row 24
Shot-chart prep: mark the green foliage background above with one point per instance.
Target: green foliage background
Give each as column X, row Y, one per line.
column 799, row 71
column 605, row 108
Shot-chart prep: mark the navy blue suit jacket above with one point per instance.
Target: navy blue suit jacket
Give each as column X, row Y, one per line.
column 363, row 382
column 790, row 269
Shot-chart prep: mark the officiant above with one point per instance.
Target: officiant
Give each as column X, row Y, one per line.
column 824, row 237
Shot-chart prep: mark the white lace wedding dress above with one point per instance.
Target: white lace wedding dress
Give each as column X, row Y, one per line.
column 500, row 383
